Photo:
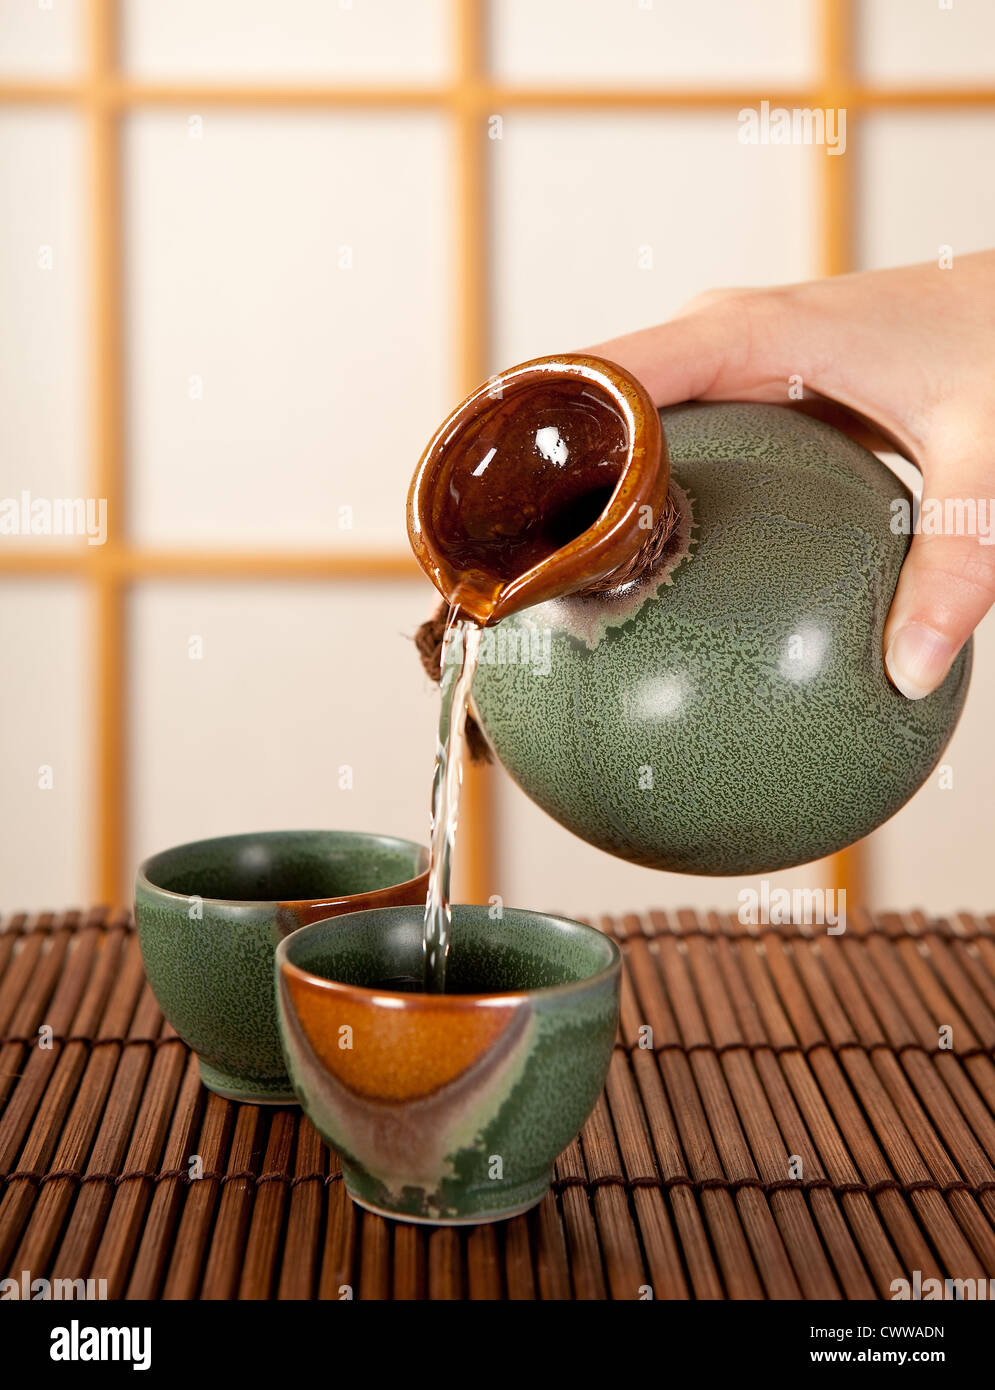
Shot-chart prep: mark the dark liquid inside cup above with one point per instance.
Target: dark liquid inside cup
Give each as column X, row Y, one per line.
column 398, row 984
column 407, row 984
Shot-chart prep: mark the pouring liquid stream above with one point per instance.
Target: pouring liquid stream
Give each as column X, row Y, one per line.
column 524, row 474
column 460, row 650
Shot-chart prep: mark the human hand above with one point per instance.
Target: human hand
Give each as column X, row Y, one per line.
column 913, row 351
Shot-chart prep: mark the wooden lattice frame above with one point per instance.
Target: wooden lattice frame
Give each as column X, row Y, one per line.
column 103, row 96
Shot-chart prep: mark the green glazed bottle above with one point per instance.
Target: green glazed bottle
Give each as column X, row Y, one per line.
column 727, row 711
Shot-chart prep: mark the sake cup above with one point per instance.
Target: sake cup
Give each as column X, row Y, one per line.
column 448, row 1108
column 209, row 916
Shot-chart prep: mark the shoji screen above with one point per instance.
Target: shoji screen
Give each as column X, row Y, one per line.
column 251, row 251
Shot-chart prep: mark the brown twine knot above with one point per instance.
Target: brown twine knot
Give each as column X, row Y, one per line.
column 428, row 638
column 428, row 641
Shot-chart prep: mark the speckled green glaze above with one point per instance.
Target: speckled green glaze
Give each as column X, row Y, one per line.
column 209, row 915
column 730, row 714
column 448, row 1108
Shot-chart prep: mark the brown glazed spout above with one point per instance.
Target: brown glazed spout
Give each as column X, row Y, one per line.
column 545, row 480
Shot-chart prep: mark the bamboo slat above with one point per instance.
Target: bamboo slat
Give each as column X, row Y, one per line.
column 787, row 1115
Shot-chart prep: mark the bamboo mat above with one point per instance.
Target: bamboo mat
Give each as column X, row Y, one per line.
column 809, row 1117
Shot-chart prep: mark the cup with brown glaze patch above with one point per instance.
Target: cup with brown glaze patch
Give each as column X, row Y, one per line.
column 209, row 917
column 448, row 1108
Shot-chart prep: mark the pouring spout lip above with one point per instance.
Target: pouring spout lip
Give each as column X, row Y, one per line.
column 589, row 557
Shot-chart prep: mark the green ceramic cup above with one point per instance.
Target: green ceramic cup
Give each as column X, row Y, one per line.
column 448, row 1108
column 209, row 915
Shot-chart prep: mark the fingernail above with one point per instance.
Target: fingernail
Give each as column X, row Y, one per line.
column 917, row 660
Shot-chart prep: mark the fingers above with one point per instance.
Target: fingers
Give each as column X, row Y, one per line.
column 946, row 586
column 729, row 344
column 747, row 345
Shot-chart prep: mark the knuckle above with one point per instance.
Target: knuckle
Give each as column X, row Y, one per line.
column 960, row 565
column 715, row 299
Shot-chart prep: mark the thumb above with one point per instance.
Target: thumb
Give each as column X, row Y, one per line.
column 946, row 586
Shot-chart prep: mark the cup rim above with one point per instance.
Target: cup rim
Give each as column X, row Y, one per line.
column 423, row 999
column 142, row 879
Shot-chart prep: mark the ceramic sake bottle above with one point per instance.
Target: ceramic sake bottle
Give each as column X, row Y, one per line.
column 713, row 699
